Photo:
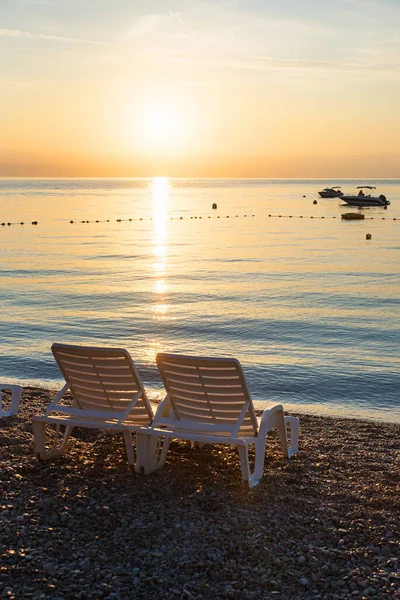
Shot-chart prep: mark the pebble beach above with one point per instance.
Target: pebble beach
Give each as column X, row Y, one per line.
column 324, row 524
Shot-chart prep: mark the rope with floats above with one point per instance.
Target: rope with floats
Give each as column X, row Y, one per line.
column 205, row 217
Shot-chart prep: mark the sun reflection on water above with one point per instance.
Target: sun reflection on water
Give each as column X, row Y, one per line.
column 160, row 188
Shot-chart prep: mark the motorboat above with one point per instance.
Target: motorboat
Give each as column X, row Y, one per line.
column 365, row 198
column 333, row 192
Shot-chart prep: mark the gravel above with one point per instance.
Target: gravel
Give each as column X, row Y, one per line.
column 324, row 524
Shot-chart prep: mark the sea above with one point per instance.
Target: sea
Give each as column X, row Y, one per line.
column 272, row 276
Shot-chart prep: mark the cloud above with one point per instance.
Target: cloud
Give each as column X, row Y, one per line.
column 177, row 16
column 282, row 64
column 38, row 2
column 16, row 33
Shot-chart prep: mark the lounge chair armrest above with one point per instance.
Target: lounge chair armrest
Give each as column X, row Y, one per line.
column 60, row 394
column 131, row 405
column 271, row 418
column 163, row 409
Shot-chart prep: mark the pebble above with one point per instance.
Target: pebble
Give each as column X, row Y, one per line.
column 84, row 527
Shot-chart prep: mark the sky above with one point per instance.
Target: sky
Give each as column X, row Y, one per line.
column 195, row 88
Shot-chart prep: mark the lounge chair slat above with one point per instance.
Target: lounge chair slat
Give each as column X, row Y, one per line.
column 90, row 370
column 106, row 379
column 228, row 400
column 81, row 361
column 223, row 373
column 200, row 387
column 198, row 377
column 100, row 358
column 99, row 386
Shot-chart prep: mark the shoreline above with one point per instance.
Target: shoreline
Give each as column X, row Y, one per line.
column 155, row 395
column 324, row 524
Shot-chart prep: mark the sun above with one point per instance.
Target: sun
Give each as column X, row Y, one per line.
column 163, row 125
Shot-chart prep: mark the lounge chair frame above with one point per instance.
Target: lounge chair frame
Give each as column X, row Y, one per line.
column 107, row 394
column 208, row 402
column 16, row 394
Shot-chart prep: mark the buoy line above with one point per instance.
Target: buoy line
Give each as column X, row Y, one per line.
column 171, row 219
column 19, row 223
column 181, row 218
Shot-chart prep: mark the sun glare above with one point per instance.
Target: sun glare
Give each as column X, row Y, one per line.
column 162, row 126
column 160, row 188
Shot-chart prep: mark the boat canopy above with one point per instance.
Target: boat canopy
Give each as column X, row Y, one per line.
column 366, row 187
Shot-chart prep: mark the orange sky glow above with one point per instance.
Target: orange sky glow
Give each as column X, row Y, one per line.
column 295, row 88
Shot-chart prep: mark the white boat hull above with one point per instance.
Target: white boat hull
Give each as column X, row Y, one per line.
column 365, row 200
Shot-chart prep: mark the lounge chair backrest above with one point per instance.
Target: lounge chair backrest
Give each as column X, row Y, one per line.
column 209, row 391
column 103, row 379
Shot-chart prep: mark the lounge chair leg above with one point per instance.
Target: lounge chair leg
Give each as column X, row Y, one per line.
column 197, row 445
column 245, row 466
column 281, row 426
column 129, row 447
column 16, row 393
column 271, row 418
column 57, row 447
column 294, row 424
column 151, row 452
column 259, row 460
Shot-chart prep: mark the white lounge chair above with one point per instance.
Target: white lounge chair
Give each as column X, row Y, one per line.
column 208, row 402
column 16, row 393
column 107, row 394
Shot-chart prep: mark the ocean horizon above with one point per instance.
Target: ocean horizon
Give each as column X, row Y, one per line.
column 300, row 297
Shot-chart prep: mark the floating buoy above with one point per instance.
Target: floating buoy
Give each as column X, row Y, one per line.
column 22, row 222
column 181, row 218
column 214, row 206
column 71, row 221
column 368, row 236
column 315, row 202
column 352, row 216
column 34, row 222
column 304, row 196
